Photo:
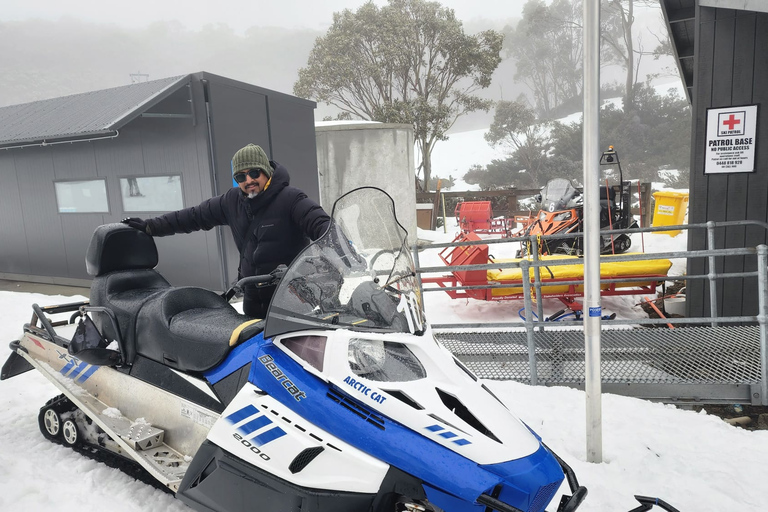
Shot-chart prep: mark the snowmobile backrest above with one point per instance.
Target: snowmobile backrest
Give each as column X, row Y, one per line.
column 122, row 261
column 119, row 247
column 606, row 192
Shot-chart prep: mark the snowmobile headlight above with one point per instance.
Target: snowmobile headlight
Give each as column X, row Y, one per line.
column 383, row 361
column 365, row 356
column 562, row 216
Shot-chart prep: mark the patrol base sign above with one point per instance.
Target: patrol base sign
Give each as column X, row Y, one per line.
column 731, row 139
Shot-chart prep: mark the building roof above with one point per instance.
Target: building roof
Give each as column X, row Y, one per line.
column 82, row 116
column 744, row 5
column 680, row 16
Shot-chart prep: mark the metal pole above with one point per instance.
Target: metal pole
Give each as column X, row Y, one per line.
column 712, row 273
column 591, row 159
column 537, row 280
column 762, row 318
column 525, row 265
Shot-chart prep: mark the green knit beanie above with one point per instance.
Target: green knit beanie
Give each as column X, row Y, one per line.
column 251, row 157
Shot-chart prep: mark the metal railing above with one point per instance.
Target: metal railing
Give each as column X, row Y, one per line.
column 542, row 349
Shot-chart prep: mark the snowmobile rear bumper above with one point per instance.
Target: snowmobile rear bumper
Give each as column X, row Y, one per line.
column 15, row 364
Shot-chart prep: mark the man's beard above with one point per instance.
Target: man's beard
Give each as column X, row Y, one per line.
column 251, row 195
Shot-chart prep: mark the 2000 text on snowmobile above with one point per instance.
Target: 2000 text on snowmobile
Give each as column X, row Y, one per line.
column 340, row 401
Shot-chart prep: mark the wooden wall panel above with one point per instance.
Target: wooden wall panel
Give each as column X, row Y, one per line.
column 698, row 292
column 731, row 70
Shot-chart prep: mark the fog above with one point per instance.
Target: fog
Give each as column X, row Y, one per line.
column 62, row 48
column 240, row 15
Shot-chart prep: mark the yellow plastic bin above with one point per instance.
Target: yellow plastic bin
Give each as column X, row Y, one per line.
column 670, row 210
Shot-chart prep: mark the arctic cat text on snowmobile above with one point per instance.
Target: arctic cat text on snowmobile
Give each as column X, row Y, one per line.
column 561, row 212
column 341, row 401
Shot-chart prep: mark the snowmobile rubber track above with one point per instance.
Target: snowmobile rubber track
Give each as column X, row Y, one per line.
column 95, row 452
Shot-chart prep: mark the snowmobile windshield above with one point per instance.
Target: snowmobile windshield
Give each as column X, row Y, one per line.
column 358, row 276
column 558, row 194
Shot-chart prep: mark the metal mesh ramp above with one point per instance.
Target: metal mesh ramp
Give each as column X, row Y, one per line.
column 688, row 363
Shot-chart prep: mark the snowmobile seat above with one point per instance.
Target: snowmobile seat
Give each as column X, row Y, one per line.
column 607, row 205
column 122, row 260
column 191, row 329
column 607, row 194
column 187, row 328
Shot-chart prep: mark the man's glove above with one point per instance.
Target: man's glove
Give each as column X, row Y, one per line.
column 278, row 274
column 137, row 223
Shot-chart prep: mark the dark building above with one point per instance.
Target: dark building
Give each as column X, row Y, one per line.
column 70, row 164
column 721, row 47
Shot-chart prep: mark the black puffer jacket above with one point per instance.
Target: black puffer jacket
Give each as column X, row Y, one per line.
column 287, row 220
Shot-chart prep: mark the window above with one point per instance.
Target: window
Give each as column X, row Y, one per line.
column 151, row 193
column 82, row 196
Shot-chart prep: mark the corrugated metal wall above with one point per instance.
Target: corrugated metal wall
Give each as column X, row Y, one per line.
column 731, row 70
column 37, row 243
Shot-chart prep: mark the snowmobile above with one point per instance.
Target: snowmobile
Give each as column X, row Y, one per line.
column 340, row 400
column 561, row 212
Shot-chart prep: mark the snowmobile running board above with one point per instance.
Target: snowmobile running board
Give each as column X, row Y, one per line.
column 137, row 440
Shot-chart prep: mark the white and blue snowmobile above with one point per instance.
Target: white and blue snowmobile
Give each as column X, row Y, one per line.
column 340, row 401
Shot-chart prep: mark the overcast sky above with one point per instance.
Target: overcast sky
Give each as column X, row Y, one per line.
column 239, row 14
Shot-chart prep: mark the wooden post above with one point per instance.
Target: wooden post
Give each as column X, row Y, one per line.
column 646, row 197
column 436, row 205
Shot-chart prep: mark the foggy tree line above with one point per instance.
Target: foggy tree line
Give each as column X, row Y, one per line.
column 408, row 61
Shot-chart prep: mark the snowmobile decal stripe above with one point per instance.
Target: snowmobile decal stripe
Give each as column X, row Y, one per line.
column 254, row 425
column 77, row 370
column 67, row 366
column 448, row 435
column 268, row 436
column 87, row 373
column 243, row 413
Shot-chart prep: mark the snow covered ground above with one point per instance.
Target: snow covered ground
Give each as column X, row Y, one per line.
column 694, row 461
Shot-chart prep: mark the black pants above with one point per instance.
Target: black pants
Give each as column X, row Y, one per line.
column 256, row 301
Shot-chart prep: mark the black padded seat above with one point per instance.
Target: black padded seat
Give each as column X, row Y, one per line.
column 122, row 261
column 190, row 329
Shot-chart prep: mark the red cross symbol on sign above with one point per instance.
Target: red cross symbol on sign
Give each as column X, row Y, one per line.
column 731, row 122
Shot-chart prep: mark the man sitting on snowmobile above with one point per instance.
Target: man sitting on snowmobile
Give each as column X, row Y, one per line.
column 271, row 221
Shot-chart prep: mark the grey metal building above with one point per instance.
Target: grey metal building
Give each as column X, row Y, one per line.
column 721, row 46
column 72, row 163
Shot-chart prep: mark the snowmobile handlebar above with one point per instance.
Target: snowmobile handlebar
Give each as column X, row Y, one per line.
column 272, row 278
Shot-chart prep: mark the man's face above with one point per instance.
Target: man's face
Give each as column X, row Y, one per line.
column 251, row 185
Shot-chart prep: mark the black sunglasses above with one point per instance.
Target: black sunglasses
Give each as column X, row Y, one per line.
column 253, row 173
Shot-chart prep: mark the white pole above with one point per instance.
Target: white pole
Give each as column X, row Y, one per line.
column 591, row 159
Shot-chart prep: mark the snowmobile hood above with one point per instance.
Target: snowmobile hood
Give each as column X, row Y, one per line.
column 414, row 381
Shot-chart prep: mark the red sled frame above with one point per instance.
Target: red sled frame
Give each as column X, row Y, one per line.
column 478, row 255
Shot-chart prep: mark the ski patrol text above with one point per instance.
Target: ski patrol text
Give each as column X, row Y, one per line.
column 362, row 388
column 282, row 378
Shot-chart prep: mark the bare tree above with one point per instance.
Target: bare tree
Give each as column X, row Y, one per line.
column 407, row 62
column 547, row 48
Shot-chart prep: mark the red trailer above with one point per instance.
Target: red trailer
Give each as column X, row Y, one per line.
column 477, row 217
column 653, row 272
